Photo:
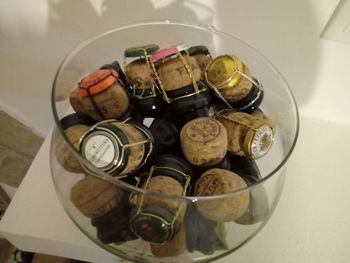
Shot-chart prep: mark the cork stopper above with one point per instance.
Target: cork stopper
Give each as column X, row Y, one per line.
column 137, row 151
column 165, row 185
column 111, row 103
column 240, row 90
column 64, row 153
column 94, row 197
column 139, row 75
column 248, row 135
column 171, row 248
column 203, row 61
column 204, row 141
column 174, row 74
column 156, row 219
column 236, row 131
column 216, row 182
column 116, row 148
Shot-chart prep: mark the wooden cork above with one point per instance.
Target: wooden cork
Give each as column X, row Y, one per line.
column 112, row 103
column 95, row 197
column 64, row 153
column 259, row 115
column 216, row 182
column 137, row 152
column 203, row 61
column 204, row 141
column 169, row 186
column 174, row 247
column 236, row 131
column 173, row 73
column 240, row 90
column 139, row 74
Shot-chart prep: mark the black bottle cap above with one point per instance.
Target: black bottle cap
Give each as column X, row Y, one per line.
column 153, row 223
column 175, row 164
column 166, row 135
column 194, row 50
column 150, row 107
column 133, row 113
column 189, row 103
column 251, row 102
column 245, row 168
column 76, row 119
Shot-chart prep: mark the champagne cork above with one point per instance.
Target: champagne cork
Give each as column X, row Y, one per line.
column 137, row 151
column 74, row 126
column 139, row 74
column 203, row 61
column 203, row 57
column 236, row 131
column 144, row 95
column 171, row 248
column 240, row 90
column 165, row 185
column 156, row 218
column 204, row 141
column 248, row 135
column 100, row 96
column 216, row 182
column 174, row 75
column 95, row 197
column 233, row 80
column 117, row 148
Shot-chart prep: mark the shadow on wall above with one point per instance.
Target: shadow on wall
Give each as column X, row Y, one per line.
column 35, row 39
column 286, row 32
column 84, row 19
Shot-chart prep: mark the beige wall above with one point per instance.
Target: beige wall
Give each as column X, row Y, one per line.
column 36, row 35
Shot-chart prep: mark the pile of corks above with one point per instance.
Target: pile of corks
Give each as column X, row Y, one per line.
column 205, row 133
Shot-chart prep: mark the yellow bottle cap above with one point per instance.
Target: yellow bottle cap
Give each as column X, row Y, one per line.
column 224, row 71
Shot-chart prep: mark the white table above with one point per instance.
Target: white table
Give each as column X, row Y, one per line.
column 310, row 223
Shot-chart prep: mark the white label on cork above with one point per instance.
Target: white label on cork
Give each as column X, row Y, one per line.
column 262, row 141
column 100, row 150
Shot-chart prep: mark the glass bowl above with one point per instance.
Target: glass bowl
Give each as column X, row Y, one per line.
column 192, row 236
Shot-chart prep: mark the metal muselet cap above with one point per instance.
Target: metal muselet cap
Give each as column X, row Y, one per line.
column 224, row 71
column 259, row 139
column 133, row 52
column 103, row 146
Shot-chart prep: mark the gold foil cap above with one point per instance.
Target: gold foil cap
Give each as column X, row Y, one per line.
column 258, row 139
column 224, row 71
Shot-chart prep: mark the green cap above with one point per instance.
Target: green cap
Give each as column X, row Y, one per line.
column 153, row 223
column 133, row 52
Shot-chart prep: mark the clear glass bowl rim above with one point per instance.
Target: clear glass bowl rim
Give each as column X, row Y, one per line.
column 131, row 188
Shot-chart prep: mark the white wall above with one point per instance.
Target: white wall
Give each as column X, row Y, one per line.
column 36, row 35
